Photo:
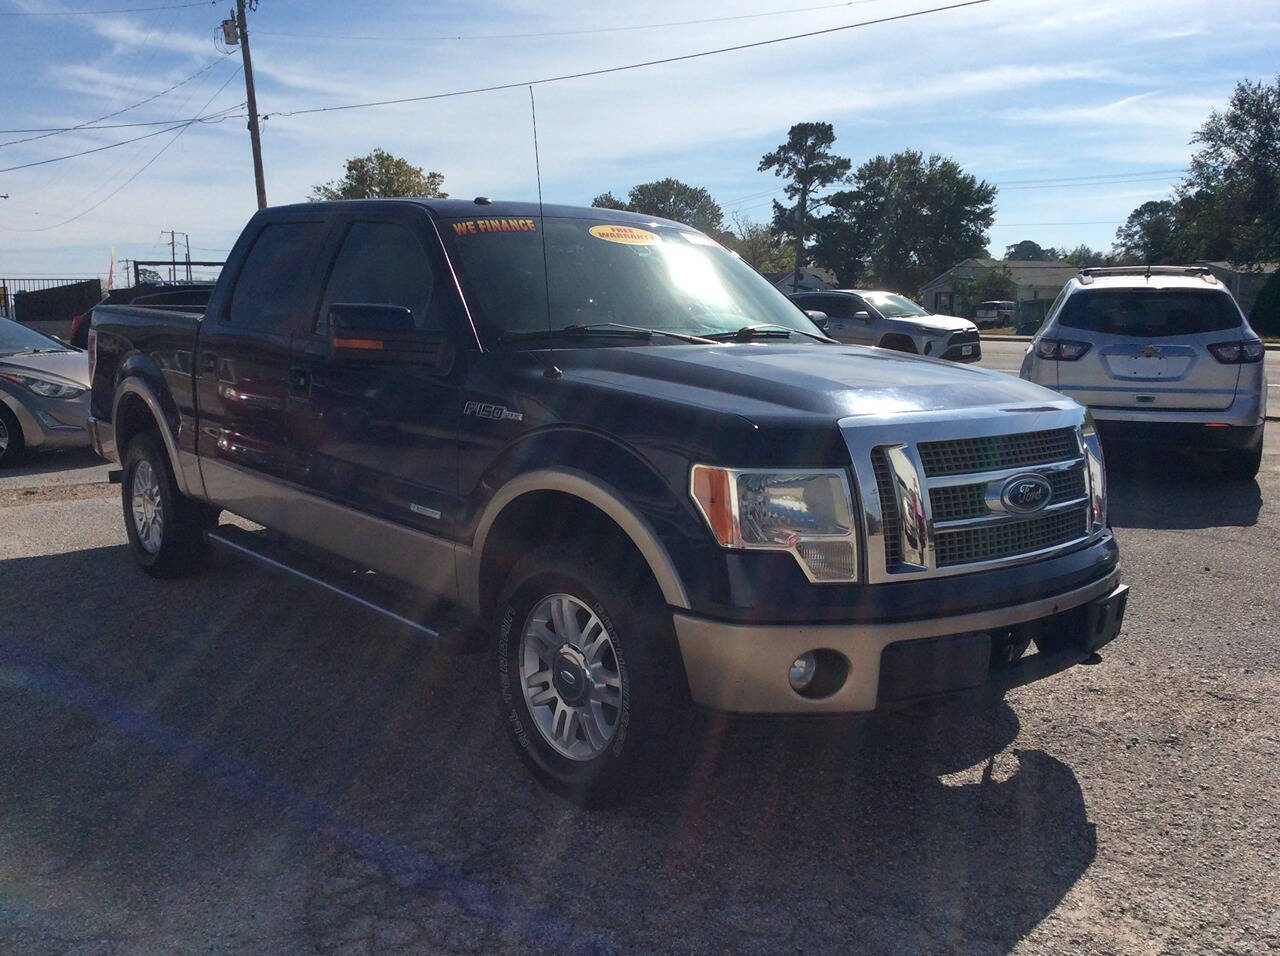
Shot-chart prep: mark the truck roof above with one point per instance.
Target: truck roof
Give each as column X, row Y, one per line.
column 467, row 208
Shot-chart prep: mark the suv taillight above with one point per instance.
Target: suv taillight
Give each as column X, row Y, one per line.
column 1060, row 350
column 93, row 352
column 1237, row 353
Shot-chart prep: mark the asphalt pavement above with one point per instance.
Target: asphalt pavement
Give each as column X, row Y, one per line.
column 234, row 762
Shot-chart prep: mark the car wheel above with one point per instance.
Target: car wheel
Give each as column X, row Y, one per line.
column 899, row 343
column 11, row 443
column 589, row 679
column 165, row 528
column 1243, row 465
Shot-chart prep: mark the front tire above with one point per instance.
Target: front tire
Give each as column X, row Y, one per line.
column 11, row 443
column 165, row 528
column 588, row 675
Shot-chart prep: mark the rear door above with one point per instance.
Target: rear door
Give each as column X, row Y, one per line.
column 1148, row 348
column 376, row 435
column 843, row 326
column 242, row 365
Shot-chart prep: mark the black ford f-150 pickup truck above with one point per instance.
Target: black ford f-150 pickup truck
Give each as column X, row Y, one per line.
column 642, row 470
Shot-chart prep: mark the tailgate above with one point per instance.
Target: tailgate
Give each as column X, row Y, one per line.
column 1173, row 374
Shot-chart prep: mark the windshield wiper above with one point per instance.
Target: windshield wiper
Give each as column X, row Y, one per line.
column 599, row 328
column 749, row 332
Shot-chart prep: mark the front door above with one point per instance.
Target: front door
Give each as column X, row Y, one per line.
column 378, row 436
column 242, row 365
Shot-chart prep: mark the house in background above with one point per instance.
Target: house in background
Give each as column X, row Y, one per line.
column 1036, row 284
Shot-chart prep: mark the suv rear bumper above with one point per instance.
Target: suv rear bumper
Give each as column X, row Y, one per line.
column 743, row 668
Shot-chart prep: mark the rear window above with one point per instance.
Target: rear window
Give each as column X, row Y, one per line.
column 1150, row 313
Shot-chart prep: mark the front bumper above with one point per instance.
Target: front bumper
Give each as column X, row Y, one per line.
column 743, row 668
column 49, row 422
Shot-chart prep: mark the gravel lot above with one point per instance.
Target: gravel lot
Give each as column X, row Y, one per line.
column 234, row 762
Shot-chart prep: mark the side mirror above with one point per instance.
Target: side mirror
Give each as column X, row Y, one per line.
column 818, row 318
column 864, row 315
column 367, row 332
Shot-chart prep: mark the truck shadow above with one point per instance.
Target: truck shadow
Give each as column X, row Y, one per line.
column 1172, row 491
column 40, row 462
column 237, row 730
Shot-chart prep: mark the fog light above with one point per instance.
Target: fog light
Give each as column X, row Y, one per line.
column 803, row 669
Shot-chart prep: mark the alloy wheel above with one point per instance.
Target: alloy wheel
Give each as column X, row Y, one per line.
column 148, row 513
column 571, row 677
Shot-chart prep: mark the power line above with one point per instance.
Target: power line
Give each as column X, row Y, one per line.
column 87, row 123
column 564, row 33
column 98, row 13
column 1094, row 184
column 631, row 66
column 145, row 166
column 168, row 122
column 1072, row 179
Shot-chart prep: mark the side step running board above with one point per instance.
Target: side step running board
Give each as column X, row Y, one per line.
column 375, row 597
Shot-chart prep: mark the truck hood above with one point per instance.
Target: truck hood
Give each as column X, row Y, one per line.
column 66, row 368
column 769, row 381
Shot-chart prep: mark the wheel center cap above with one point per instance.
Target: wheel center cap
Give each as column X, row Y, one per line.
column 569, row 676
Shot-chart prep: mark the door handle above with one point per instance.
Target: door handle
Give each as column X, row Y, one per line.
column 300, row 380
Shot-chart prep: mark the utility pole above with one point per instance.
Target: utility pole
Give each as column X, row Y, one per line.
column 173, row 255
column 255, row 138
column 188, row 238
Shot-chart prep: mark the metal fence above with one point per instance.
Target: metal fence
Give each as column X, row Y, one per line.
column 10, row 289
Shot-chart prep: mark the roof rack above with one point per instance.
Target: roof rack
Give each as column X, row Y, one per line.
column 1090, row 273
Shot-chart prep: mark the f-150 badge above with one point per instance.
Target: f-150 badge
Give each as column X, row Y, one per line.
column 492, row 412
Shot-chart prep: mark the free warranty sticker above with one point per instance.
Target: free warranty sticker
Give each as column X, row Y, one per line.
column 627, row 235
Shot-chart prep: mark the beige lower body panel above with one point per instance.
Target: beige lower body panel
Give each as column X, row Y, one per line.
column 742, row 668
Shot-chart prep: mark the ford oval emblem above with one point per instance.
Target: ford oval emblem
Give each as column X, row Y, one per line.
column 1023, row 494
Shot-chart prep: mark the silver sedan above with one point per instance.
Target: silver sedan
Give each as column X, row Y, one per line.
column 44, row 392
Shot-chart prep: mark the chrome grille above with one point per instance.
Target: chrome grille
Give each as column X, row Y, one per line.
column 1002, row 539
column 963, row 456
column 892, row 527
column 959, row 502
column 932, row 504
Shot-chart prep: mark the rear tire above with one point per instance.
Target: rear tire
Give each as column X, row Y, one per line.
column 165, row 528
column 589, row 678
column 11, row 442
column 1243, row 465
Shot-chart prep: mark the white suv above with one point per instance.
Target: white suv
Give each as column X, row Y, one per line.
column 1160, row 355
column 893, row 321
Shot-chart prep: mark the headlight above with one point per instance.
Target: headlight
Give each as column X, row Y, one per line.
column 808, row 512
column 43, row 386
column 1097, row 474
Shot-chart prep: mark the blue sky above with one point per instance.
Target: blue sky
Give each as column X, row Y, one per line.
column 1015, row 90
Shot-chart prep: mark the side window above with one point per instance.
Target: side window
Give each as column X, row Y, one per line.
column 806, row 302
column 271, row 287
column 382, row 263
column 838, row 306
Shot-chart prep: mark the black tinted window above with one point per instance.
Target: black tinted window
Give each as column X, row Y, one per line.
column 837, row 306
column 1148, row 313
column 381, row 263
column 272, row 286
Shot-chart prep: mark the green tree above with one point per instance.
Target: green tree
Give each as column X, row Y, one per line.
column 758, row 246
column 906, row 219
column 381, row 174
column 807, row 164
column 149, row 275
column 990, row 284
column 1151, row 234
column 1083, row 256
column 670, row 199
column 1028, row 251
column 1231, row 196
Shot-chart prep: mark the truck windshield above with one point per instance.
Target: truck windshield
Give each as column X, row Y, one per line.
column 894, row 306
column 1147, row 313
column 660, row 277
